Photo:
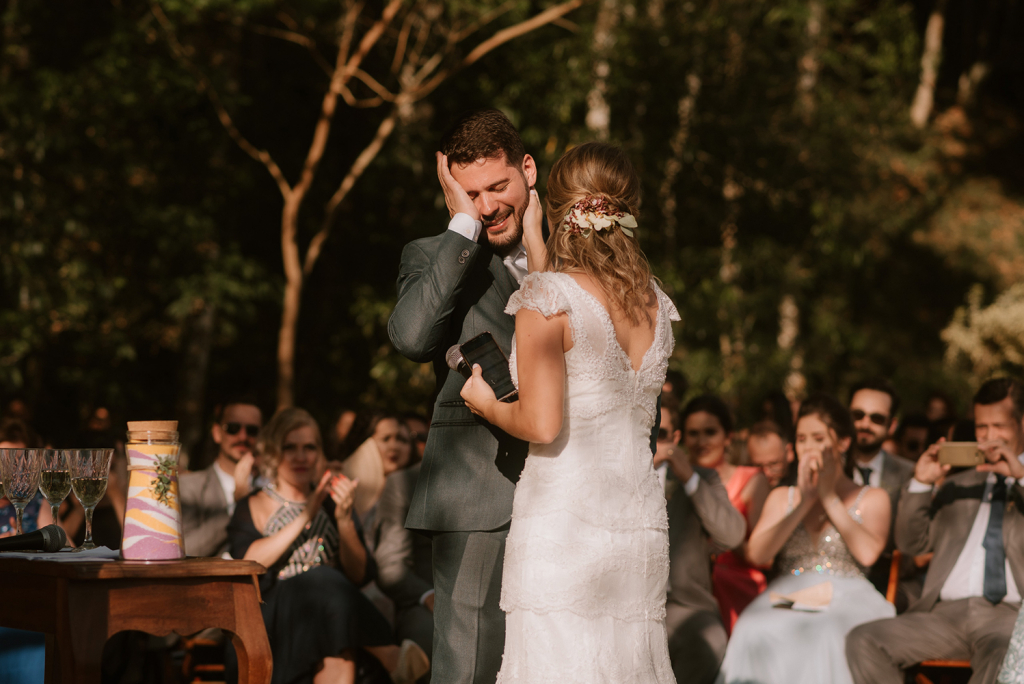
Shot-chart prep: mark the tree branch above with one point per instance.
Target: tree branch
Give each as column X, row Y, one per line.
column 483, row 21
column 223, row 116
column 298, row 39
column 387, row 126
column 512, row 32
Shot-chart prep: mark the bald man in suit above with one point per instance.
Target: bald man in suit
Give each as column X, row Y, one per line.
column 974, row 523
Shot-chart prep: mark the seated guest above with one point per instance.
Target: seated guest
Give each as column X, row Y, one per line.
column 404, row 570
column 707, row 433
column 770, row 450
column 873, row 407
column 824, row 532
column 208, row 496
column 700, row 519
column 22, row 654
column 301, row 528
column 974, row 524
column 419, row 426
column 912, row 436
column 15, row 434
column 385, row 449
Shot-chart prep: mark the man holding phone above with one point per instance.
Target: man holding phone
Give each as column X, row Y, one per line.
column 451, row 288
column 974, row 524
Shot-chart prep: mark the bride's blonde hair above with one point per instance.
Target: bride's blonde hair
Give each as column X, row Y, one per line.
column 610, row 257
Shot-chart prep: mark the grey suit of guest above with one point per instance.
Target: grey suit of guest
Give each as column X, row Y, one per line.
column 404, row 559
column 204, row 513
column 451, row 289
column 896, row 473
column 696, row 636
column 964, row 629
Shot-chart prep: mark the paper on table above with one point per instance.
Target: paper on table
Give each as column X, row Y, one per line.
column 812, row 599
column 100, row 553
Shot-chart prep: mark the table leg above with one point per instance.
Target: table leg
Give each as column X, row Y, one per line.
column 86, row 632
column 255, row 663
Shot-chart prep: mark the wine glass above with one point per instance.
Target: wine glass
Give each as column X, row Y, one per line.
column 20, row 469
column 89, row 471
column 54, row 478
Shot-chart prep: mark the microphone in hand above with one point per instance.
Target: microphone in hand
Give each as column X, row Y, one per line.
column 48, row 539
column 453, row 357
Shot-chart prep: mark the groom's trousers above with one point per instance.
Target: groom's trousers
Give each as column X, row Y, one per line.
column 469, row 627
column 968, row 629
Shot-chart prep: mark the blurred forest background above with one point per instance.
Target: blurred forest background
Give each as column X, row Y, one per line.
column 205, row 197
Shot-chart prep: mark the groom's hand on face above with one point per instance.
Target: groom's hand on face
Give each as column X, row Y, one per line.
column 455, row 196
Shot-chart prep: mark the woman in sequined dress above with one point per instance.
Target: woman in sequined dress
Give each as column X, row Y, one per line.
column 301, row 528
column 826, row 529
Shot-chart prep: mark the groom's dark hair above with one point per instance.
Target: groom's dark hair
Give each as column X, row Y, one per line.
column 483, row 134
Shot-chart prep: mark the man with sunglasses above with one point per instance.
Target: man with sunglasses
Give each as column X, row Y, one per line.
column 873, row 407
column 208, row 496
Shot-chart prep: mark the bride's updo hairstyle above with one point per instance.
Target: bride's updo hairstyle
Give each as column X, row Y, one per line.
column 610, row 257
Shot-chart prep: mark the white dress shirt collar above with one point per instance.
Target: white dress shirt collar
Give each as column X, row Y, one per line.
column 876, row 465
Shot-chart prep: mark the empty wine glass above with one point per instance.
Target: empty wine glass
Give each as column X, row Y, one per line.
column 89, row 471
column 54, row 478
column 20, row 468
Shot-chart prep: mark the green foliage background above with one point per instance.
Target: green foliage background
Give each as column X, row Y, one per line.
column 125, row 208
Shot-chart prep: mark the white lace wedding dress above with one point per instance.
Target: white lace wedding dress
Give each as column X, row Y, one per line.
column 586, row 561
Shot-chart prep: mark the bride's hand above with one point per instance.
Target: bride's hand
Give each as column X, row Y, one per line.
column 477, row 393
column 533, row 235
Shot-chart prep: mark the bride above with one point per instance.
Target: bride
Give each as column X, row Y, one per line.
column 586, row 561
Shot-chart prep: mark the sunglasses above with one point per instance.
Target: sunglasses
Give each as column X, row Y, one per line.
column 663, row 434
column 876, row 418
column 235, row 428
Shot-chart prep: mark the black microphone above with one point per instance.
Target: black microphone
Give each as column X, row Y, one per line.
column 49, row 539
column 457, row 363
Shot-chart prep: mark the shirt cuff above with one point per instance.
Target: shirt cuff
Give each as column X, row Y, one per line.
column 466, row 226
column 691, row 485
column 916, row 487
column 429, row 593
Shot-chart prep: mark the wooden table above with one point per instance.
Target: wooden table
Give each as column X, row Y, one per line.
column 80, row 605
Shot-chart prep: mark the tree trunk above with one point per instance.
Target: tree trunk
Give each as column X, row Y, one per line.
column 924, row 99
column 192, row 391
column 810, row 63
column 731, row 337
column 290, row 305
column 674, row 165
column 598, row 111
column 795, row 385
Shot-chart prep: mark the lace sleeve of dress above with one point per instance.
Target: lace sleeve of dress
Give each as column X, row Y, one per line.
column 539, row 292
column 667, row 304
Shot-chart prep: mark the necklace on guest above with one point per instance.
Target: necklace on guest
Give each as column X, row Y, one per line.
column 277, row 496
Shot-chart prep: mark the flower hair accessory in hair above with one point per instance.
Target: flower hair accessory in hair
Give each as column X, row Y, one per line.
column 593, row 213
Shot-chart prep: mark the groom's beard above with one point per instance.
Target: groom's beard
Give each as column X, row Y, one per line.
column 506, row 241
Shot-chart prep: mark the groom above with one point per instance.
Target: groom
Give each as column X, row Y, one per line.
column 451, row 288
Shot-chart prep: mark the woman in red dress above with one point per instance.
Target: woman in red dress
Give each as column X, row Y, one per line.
column 707, row 432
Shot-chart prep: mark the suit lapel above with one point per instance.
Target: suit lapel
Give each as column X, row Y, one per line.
column 504, row 283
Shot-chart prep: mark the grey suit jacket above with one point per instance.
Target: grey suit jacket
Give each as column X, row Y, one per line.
column 896, row 473
column 451, row 289
column 404, row 570
column 941, row 523
column 204, row 513
column 694, row 524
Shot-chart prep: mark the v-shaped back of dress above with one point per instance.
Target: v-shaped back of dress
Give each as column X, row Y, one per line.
column 586, row 559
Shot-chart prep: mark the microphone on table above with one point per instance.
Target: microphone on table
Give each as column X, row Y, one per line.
column 49, row 539
column 453, row 357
